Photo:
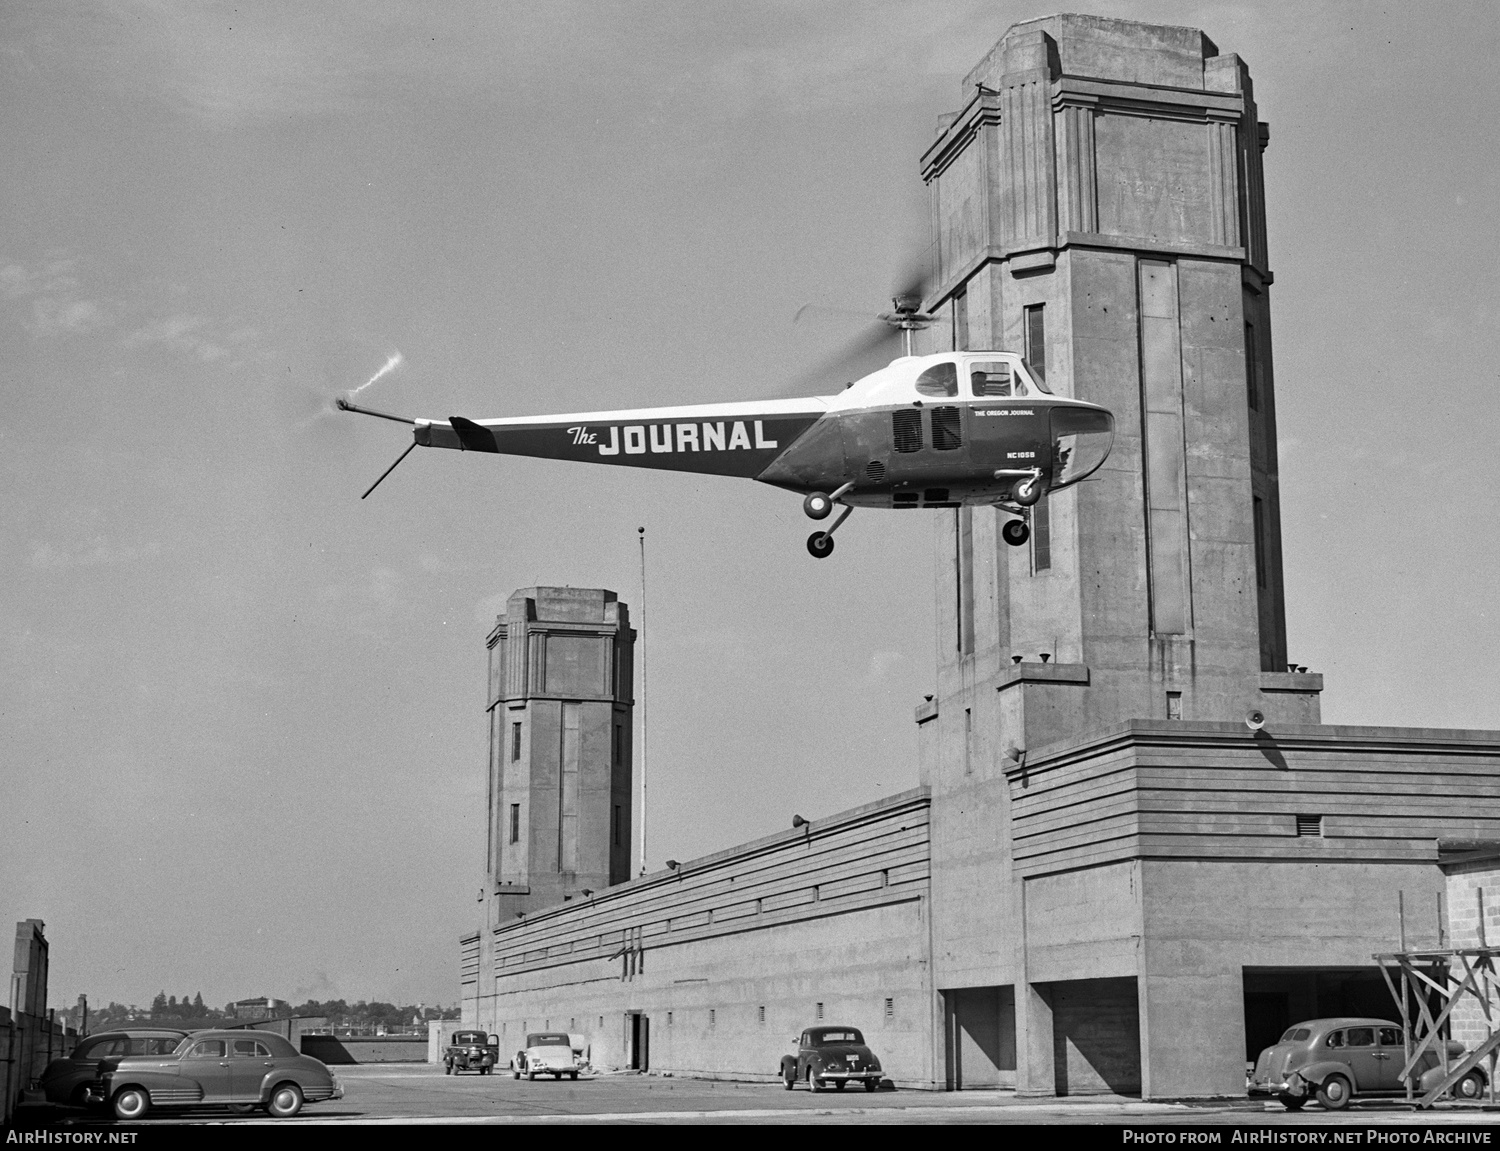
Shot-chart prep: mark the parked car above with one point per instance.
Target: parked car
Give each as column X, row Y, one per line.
column 831, row 1056
column 545, row 1053
column 471, row 1051
column 68, row 1080
column 1333, row 1060
column 242, row 1070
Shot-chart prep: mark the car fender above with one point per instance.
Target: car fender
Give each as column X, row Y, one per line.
column 1317, row 1073
column 1435, row 1075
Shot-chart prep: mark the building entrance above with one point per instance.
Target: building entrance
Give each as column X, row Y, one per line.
column 637, row 1041
column 1277, row 997
column 979, row 1038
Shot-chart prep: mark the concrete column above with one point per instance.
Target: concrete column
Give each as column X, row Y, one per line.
column 1192, row 1034
column 1036, row 1073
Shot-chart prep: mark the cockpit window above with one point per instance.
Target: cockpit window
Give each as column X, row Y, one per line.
column 992, row 379
column 938, row 380
column 1038, row 380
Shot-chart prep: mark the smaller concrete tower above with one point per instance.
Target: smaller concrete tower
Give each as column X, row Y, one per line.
column 560, row 706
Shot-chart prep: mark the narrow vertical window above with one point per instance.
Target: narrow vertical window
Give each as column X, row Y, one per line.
column 712, row 1016
column 619, row 753
column 763, row 1014
column 515, row 742
column 1041, row 537
column 515, row 823
column 1260, row 542
column 1252, row 369
column 1174, row 705
column 820, row 1011
column 1036, row 341
column 615, row 828
column 968, row 740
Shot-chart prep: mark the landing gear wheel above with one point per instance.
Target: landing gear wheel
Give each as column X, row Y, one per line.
column 131, row 1103
column 1471, row 1086
column 820, row 545
column 817, row 505
column 872, row 1084
column 1027, row 491
column 285, row 1101
column 1334, row 1093
column 1015, row 532
column 1292, row 1102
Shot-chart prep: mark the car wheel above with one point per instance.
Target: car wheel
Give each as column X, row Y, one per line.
column 1335, row 1092
column 1471, row 1086
column 80, row 1096
column 872, row 1084
column 515, row 1073
column 789, row 1077
column 840, row 1084
column 573, row 1075
column 813, row 1082
column 448, row 1067
column 286, row 1101
column 531, row 1076
column 1292, row 1102
column 131, row 1103
column 243, row 1108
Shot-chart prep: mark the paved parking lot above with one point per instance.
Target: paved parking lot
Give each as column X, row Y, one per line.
column 417, row 1093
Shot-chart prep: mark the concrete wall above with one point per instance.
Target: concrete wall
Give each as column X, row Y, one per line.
column 732, row 955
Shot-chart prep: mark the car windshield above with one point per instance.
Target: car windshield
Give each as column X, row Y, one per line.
column 548, row 1039
column 844, row 1035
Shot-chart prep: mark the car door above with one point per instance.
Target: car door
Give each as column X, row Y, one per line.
column 250, row 1061
column 207, row 1063
column 1392, row 1057
column 1363, row 1056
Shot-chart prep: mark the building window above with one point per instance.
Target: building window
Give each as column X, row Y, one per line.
column 601, row 1021
column 817, row 893
column 712, row 1017
column 885, row 878
column 1310, row 825
column 762, row 1014
column 669, row 1019
column 1260, row 542
column 1036, row 342
column 1252, row 369
column 819, row 1013
column 890, row 1009
column 515, row 742
column 1041, row 537
column 760, row 905
column 515, row 823
column 1174, row 705
column 619, row 753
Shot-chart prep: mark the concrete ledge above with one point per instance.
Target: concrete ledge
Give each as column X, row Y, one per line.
column 1303, row 681
column 1026, row 672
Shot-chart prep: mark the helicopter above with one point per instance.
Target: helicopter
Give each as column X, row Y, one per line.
column 954, row 429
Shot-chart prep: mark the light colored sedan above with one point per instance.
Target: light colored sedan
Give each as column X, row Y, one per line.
column 545, row 1053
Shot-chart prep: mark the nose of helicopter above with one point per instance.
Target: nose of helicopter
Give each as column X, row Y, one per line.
column 1081, row 439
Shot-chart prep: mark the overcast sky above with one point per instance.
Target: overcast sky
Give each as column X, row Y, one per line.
column 241, row 711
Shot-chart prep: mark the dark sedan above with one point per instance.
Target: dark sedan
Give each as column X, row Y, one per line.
column 831, row 1057
column 68, row 1080
column 242, row 1070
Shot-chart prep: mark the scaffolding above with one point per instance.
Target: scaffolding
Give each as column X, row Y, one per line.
column 1435, row 981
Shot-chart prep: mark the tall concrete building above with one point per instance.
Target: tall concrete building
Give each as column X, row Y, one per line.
column 1135, row 853
column 560, row 706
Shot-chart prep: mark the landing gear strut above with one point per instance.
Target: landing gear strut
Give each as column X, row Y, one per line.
column 817, row 505
column 820, row 544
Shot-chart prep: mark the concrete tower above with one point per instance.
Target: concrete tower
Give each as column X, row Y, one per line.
column 1097, row 205
column 560, row 685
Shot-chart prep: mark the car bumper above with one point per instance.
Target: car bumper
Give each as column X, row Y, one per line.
column 1293, row 1085
column 849, row 1076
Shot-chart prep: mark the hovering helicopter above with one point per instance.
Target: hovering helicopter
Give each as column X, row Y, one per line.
column 938, row 431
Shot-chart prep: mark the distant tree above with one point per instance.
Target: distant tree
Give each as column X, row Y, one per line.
column 159, row 1004
column 198, row 1008
column 172, row 1004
